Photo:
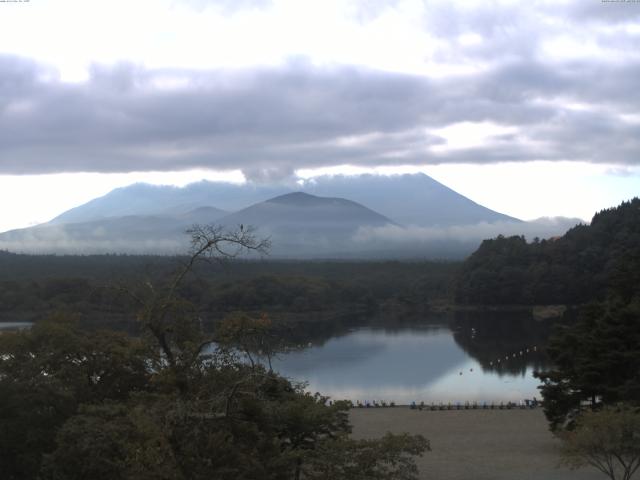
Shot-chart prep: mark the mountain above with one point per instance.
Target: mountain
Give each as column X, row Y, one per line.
column 201, row 215
column 415, row 199
column 145, row 199
column 304, row 225
column 124, row 234
column 299, row 225
column 365, row 216
column 310, row 211
column 410, row 199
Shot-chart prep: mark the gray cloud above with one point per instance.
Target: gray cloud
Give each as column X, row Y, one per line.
column 270, row 122
column 603, row 11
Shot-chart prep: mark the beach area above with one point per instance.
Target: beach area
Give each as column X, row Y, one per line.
column 476, row 444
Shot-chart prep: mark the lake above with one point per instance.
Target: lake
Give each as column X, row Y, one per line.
column 468, row 358
column 9, row 326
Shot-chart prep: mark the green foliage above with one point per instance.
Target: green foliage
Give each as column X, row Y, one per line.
column 85, row 285
column 110, row 441
column 608, row 439
column 47, row 372
column 586, row 264
column 252, row 336
column 596, row 360
column 30, row 414
column 292, row 293
column 221, row 419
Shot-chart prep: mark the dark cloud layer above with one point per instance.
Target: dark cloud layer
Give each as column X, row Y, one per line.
column 270, row 122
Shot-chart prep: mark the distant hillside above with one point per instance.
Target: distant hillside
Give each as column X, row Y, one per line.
column 407, row 199
column 141, row 234
column 366, row 217
column 300, row 224
column 411, row 199
column 145, row 199
column 300, row 209
column 585, row 264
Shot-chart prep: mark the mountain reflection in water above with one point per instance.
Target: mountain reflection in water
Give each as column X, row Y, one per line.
column 456, row 361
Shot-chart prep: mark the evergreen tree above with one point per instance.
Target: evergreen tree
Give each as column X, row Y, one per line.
column 596, row 361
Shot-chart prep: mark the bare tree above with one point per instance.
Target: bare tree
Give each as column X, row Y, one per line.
column 169, row 319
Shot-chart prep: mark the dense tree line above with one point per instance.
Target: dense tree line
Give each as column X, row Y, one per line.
column 19, row 267
column 588, row 263
column 88, row 286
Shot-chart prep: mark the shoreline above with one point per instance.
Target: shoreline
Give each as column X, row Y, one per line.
column 445, row 406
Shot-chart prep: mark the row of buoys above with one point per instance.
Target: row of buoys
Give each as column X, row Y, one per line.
column 513, row 355
column 507, row 358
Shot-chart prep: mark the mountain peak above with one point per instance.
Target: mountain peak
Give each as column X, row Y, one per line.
column 304, row 208
column 303, row 199
column 295, row 198
column 409, row 199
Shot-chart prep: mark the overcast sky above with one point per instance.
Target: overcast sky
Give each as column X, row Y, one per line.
column 530, row 108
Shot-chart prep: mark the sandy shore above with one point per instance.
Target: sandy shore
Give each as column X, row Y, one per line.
column 475, row 444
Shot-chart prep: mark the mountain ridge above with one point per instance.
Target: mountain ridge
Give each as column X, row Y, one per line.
column 409, row 199
column 300, row 224
column 429, row 221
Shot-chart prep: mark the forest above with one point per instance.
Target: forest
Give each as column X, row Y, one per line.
column 92, row 286
column 588, row 263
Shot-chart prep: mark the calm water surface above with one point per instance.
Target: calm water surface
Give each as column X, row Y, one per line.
column 471, row 358
column 15, row 325
column 453, row 362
